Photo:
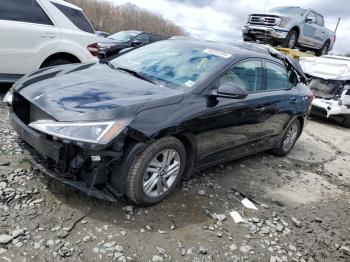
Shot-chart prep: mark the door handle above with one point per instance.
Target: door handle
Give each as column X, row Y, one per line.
column 48, row 35
column 293, row 101
column 259, row 109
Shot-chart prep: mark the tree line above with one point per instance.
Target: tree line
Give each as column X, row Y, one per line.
column 105, row 16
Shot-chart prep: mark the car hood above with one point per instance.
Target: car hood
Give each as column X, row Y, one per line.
column 92, row 92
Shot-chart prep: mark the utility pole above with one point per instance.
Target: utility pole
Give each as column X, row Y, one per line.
column 336, row 27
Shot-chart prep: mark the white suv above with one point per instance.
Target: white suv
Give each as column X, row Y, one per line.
column 41, row 33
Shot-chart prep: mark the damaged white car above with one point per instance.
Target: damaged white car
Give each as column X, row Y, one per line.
column 330, row 82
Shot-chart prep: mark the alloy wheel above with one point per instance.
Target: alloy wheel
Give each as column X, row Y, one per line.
column 290, row 137
column 161, row 173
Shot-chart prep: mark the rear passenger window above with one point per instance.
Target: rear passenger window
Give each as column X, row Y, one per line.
column 319, row 20
column 23, row 11
column 278, row 77
column 77, row 17
column 247, row 74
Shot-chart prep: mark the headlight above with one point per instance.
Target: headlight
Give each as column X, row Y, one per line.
column 8, row 97
column 90, row 132
column 284, row 21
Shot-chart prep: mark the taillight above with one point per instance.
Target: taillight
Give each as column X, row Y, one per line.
column 93, row 48
column 335, row 37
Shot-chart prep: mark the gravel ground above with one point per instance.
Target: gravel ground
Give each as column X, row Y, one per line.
column 303, row 210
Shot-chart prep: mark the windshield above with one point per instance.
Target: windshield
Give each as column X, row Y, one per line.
column 124, row 36
column 173, row 64
column 288, row 10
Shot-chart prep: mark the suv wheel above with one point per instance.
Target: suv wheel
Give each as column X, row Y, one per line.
column 156, row 172
column 323, row 50
column 56, row 62
column 289, row 139
column 291, row 39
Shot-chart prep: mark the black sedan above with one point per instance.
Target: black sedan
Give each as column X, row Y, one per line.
column 153, row 116
column 113, row 44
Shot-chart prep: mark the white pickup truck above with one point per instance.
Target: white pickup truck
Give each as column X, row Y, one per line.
column 42, row 33
column 290, row 27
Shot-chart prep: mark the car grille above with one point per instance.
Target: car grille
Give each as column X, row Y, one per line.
column 263, row 20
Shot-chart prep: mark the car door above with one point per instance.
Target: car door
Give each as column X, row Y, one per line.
column 231, row 127
column 320, row 31
column 281, row 97
column 25, row 31
column 142, row 39
column 309, row 30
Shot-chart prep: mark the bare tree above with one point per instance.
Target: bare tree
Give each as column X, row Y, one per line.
column 113, row 18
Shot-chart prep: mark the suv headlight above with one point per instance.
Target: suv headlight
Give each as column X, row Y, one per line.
column 8, row 98
column 284, row 21
column 89, row 132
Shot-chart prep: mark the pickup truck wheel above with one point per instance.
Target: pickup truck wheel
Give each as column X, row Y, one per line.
column 323, row 50
column 156, row 171
column 291, row 39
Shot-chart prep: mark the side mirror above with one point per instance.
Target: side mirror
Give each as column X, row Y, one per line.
column 136, row 42
column 310, row 20
column 231, row 90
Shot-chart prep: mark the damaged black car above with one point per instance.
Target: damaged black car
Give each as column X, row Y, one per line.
column 151, row 117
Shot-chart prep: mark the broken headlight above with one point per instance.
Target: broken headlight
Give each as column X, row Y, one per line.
column 89, row 132
column 8, row 97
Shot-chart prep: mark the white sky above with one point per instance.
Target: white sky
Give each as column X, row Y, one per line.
column 222, row 20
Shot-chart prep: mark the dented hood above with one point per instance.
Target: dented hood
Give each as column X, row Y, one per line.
column 326, row 67
column 92, row 92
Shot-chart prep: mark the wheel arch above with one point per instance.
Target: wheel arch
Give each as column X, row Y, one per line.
column 297, row 29
column 58, row 55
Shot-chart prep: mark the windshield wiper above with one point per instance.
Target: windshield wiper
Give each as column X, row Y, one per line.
column 136, row 74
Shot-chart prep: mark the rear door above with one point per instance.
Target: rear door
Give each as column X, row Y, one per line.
column 282, row 100
column 310, row 29
column 25, row 30
column 230, row 127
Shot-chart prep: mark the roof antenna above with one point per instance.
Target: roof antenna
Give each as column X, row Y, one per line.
column 336, row 27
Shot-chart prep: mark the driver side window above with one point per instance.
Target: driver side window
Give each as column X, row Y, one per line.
column 247, row 74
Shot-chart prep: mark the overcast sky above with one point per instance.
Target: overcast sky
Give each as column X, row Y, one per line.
column 222, row 20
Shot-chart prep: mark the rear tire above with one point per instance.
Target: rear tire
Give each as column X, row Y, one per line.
column 149, row 181
column 288, row 139
column 291, row 39
column 323, row 50
column 56, row 62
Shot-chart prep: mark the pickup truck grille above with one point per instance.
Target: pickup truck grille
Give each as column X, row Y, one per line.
column 263, row 20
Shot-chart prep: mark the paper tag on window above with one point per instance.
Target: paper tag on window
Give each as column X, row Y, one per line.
column 217, row 53
column 189, row 83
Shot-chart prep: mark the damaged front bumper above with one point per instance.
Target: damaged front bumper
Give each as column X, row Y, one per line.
column 329, row 107
column 84, row 169
column 264, row 32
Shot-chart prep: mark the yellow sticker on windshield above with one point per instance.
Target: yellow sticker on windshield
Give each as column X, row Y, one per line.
column 217, row 53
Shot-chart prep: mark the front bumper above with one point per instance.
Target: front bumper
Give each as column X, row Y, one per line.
column 52, row 157
column 328, row 107
column 264, row 32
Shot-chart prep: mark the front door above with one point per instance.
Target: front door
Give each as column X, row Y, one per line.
column 309, row 29
column 232, row 126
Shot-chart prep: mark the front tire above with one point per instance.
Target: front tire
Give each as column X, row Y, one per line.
column 291, row 39
column 288, row 139
column 156, row 171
